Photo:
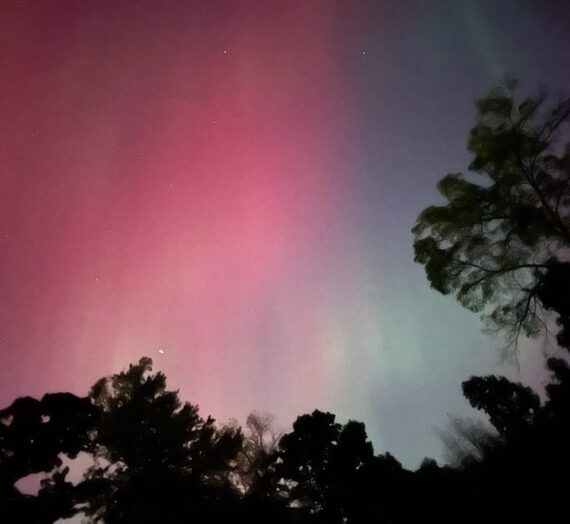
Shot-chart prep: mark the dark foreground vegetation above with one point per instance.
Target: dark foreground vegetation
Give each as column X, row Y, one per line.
column 158, row 461
column 500, row 246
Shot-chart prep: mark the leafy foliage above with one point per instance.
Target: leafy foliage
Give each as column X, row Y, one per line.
column 508, row 223
column 257, row 453
column 158, row 460
column 34, row 436
column 319, row 462
column 467, row 441
column 511, row 407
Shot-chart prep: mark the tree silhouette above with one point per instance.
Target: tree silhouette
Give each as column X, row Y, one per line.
column 467, row 441
column 318, row 463
column 552, row 291
column 34, row 435
column 258, row 448
column 500, row 235
column 533, row 445
column 500, row 244
column 158, row 460
column 511, row 407
column 304, row 455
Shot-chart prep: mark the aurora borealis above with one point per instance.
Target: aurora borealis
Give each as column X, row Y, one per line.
column 228, row 187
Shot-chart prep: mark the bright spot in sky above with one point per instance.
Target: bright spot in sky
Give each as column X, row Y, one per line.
column 161, row 351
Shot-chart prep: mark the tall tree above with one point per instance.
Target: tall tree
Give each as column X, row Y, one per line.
column 511, row 407
column 505, row 226
column 319, row 462
column 532, row 445
column 256, row 456
column 158, row 460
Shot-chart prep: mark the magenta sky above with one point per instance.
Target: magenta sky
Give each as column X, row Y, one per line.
column 228, row 188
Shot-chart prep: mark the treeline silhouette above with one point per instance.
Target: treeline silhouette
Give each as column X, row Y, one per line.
column 501, row 247
column 155, row 460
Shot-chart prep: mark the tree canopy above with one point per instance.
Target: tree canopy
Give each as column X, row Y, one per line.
column 157, row 459
column 506, row 224
column 35, row 436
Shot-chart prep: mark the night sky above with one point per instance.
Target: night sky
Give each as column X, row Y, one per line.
column 228, row 187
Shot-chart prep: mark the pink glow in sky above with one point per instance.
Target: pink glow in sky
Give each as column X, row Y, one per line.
column 228, row 187
column 162, row 191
